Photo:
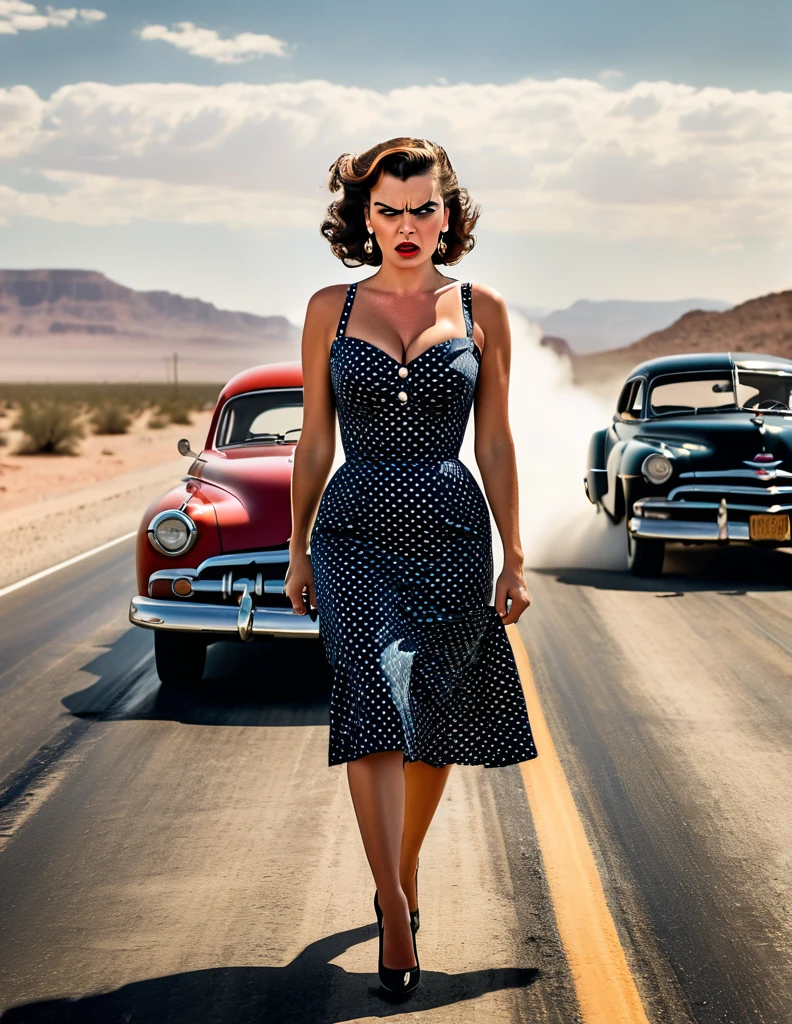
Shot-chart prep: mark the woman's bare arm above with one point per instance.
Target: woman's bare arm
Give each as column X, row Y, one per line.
column 494, row 447
column 313, row 455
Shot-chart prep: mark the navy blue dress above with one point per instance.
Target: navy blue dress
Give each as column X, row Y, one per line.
column 401, row 550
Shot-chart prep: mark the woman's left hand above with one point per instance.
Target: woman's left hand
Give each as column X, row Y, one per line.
column 511, row 584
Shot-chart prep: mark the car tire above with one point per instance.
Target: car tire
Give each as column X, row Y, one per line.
column 180, row 658
column 645, row 555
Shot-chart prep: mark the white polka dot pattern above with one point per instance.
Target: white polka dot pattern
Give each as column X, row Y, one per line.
column 402, row 559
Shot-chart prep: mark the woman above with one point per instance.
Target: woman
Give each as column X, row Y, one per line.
column 400, row 566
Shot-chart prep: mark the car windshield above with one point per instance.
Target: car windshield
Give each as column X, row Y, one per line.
column 271, row 416
column 765, row 390
column 682, row 395
column 757, row 390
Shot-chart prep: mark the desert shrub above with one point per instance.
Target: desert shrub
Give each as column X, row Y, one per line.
column 175, row 412
column 110, row 418
column 3, row 439
column 157, row 422
column 50, row 426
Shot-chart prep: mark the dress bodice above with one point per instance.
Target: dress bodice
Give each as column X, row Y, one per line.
column 396, row 410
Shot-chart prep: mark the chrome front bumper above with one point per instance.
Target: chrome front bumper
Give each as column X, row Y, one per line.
column 655, row 519
column 681, row 530
column 232, row 621
column 232, row 582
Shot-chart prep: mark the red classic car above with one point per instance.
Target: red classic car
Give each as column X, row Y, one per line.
column 212, row 552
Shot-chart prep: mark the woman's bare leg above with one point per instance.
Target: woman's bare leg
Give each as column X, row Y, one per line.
column 424, row 786
column 376, row 783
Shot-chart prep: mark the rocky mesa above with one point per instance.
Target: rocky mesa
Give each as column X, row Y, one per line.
column 80, row 325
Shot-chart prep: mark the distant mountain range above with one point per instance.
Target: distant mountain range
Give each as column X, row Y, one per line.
column 80, row 325
column 589, row 326
column 763, row 324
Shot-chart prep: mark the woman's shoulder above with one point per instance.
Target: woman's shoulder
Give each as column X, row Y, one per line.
column 326, row 303
column 485, row 293
column 329, row 296
column 486, row 300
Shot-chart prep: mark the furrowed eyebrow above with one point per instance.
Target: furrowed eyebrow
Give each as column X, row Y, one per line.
column 393, row 209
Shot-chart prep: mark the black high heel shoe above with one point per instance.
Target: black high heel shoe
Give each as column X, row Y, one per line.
column 415, row 920
column 393, row 979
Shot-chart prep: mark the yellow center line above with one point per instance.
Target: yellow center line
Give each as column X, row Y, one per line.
column 605, row 988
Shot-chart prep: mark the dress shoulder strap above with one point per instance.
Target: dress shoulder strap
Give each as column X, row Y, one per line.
column 342, row 320
column 467, row 307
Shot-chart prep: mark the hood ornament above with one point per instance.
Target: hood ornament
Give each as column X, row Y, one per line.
column 763, row 464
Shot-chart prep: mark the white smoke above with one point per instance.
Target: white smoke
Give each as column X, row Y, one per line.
column 552, row 420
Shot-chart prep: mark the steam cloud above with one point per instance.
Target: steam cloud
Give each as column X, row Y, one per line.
column 552, row 420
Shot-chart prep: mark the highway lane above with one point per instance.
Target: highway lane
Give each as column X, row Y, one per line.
column 669, row 702
column 189, row 856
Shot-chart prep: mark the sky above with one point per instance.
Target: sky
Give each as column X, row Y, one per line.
column 619, row 150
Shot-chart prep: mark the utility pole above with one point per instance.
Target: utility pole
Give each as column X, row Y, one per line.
column 175, row 374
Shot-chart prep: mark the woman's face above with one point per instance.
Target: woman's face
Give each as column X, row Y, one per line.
column 407, row 218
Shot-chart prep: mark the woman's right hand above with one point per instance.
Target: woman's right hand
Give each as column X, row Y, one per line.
column 299, row 580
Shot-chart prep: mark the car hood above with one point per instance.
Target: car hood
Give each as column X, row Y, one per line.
column 726, row 439
column 250, row 488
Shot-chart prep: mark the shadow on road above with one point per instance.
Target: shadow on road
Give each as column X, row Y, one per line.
column 309, row 990
column 731, row 570
column 266, row 683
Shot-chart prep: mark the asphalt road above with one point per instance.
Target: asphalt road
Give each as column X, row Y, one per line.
column 189, row 856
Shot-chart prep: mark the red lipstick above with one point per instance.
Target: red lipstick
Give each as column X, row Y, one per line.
column 407, row 249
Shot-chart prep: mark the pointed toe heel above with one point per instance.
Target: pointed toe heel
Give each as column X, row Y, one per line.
column 399, row 981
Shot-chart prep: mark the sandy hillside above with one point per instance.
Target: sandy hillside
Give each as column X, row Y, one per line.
column 762, row 325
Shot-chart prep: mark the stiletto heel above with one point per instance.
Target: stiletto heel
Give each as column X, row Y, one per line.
column 393, row 979
column 415, row 919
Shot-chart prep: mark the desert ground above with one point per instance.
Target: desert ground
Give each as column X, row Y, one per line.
column 53, row 507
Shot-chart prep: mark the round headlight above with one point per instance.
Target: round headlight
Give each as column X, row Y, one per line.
column 172, row 532
column 657, row 469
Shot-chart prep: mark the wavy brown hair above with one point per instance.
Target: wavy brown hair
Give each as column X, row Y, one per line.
column 354, row 175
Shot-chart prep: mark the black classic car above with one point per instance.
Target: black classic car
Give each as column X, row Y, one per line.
column 696, row 454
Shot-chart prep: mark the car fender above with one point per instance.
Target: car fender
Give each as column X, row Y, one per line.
column 200, row 510
column 596, row 477
column 612, row 496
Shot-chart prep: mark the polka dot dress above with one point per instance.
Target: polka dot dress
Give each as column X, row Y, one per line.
column 401, row 549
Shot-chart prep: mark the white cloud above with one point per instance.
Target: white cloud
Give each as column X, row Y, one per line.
column 18, row 16
column 205, row 42
column 707, row 167
column 610, row 75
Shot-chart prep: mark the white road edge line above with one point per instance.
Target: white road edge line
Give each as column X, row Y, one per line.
column 62, row 565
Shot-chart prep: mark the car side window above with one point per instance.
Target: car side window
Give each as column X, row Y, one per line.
column 631, row 400
column 624, row 398
column 636, row 402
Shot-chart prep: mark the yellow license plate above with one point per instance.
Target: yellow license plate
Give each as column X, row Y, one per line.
column 768, row 527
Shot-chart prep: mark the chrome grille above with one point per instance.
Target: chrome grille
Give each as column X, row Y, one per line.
column 222, row 579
